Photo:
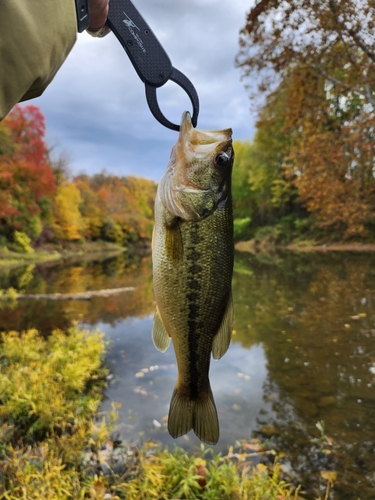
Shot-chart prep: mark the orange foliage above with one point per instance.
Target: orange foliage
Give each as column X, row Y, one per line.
column 99, row 207
column 26, row 177
column 117, row 209
column 321, row 56
column 331, row 159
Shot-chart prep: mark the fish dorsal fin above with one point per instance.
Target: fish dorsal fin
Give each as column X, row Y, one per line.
column 222, row 338
column 159, row 333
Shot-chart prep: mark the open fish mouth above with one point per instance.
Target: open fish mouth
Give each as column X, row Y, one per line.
column 200, row 142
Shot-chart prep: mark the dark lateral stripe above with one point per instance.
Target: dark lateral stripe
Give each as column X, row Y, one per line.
column 194, row 298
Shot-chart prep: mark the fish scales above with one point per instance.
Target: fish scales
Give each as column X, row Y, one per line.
column 192, row 267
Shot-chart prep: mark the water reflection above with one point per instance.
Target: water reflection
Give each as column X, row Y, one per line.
column 303, row 352
column 78, row 275
column 315, row 319
column 144, row 378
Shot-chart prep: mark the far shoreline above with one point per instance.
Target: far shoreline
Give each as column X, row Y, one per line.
column 86, row 250
column 259, row 246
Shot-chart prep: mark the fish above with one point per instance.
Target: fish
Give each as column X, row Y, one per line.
column 192, row 259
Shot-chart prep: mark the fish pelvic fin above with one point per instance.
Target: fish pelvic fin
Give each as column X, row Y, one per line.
column 223, row 337
column 199, row 415
column 160, row 336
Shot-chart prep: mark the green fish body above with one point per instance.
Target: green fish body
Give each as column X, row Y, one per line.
column 192, row 270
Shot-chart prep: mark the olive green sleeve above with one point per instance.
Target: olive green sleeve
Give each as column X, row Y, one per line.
column 35, row 38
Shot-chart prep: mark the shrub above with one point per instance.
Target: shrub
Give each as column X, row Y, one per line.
column 240, row 227
column 22, row 243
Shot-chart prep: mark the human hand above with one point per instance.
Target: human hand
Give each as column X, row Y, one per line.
column 98, row 18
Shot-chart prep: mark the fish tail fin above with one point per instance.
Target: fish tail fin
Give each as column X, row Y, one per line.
column 199, row 415
column 206, row 423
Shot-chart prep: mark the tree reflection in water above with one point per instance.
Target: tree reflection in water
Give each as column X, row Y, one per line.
column 315, row 316
column 78, row 275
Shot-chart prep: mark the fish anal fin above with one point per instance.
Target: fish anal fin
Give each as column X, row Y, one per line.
column 223, row 337
column 199, row 415
column 160, row 336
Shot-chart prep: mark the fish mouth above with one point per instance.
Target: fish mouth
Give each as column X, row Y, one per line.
column 200, row 142
column 193, row 184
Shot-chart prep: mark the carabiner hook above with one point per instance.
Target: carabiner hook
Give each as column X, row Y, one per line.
column 148, row 57
column 181, row 80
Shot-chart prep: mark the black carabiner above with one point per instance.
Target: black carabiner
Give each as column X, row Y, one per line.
column 148, row 57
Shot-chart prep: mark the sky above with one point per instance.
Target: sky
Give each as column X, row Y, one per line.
column 96, row 110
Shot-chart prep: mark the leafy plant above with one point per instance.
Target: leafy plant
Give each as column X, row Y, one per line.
column 54, row 445
column 48, row 385
column 22, row 243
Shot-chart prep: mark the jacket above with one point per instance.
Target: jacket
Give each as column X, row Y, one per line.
column 36, row 36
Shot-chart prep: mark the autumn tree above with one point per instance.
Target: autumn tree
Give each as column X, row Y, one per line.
column 322, row 55
column 92, row 212
column 261, row 192
column 26, row 179
column 69, row 223
column 119, row 208
column 37, row 192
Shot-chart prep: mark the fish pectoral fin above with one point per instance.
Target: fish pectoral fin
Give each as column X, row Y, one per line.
column 160, row 336
column 199, row 415
column 222, row 338
column 173, row 241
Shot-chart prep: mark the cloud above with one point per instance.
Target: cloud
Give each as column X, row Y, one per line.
column 96, row 107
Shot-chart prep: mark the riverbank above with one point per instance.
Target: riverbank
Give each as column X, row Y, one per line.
column 57, row 444
column 266, row 246
column 48, row 253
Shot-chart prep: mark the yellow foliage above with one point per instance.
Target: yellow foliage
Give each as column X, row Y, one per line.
column 43, row 381
column 53, row 447
column 69, row 223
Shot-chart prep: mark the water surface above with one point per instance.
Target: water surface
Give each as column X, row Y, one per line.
column 303, row 352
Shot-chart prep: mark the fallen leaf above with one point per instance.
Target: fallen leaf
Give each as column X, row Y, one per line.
column 97, row 490
column 328, row 475
column 253, row 446
column 201, row 470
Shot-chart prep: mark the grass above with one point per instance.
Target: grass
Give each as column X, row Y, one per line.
column 55, row 444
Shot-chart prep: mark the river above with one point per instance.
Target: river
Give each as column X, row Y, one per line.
column 303, row 353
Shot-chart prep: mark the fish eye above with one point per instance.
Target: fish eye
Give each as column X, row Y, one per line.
column 222, row 159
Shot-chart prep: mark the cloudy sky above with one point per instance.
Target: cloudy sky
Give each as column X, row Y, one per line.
column 96, row 108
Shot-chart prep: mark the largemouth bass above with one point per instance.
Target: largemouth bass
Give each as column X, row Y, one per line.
column 192, row 269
